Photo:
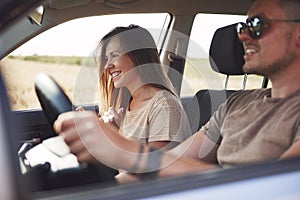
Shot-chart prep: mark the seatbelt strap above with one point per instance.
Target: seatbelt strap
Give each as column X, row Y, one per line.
column 177, row 64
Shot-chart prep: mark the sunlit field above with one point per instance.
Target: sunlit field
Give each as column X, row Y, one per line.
column 199, row 75
column 19, row 78
column 19, row 74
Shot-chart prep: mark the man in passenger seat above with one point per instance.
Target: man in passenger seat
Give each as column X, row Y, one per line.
column 250, row 127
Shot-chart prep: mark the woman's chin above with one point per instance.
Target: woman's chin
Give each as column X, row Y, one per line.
column 117, row 84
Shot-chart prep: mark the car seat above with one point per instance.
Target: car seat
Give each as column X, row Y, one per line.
column 225, row 57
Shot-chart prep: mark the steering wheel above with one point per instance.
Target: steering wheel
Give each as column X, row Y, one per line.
column 51, row 97
column 54, row 101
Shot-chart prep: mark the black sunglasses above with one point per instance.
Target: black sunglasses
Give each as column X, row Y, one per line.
column 255, row 25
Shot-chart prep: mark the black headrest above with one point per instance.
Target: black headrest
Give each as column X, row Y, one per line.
column 226, row 51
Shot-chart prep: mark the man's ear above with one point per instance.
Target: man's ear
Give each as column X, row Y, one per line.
column 298, row 34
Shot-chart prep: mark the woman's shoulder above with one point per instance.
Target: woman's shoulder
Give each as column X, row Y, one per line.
column 165, row 97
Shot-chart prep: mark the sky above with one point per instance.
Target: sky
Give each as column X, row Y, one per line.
column 80, row 37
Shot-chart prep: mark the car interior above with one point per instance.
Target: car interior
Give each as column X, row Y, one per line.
column 27, row 132
column 226, row 57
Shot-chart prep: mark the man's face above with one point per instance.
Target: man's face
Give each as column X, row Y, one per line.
column 270, row 53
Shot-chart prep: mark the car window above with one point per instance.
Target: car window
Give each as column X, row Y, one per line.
column 198, row 73
column 63, row 52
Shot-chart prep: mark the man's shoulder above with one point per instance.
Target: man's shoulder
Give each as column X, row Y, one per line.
column 253, row 93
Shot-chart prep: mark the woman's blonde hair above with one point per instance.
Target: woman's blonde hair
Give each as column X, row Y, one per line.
column 139, row 45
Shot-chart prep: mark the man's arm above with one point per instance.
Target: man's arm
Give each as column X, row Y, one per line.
column 91, row 139
column 196, row 154
column 293, row 151
column 198, row 146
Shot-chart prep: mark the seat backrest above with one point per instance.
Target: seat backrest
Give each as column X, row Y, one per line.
column 204, row 103
column 226, row 57
column 226, row 51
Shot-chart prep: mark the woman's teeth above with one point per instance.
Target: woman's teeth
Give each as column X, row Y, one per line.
column 115, row 74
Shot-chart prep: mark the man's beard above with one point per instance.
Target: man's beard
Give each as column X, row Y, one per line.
column 276, row 66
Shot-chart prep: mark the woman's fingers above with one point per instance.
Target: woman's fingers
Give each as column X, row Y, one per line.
column 79, row 108
column 117, row 116
column 113, row 112
column 121, row 112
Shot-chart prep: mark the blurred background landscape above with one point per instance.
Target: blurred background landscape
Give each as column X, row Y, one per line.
column 19, row 73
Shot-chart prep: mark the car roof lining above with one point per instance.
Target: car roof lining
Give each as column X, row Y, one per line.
column 238, row 7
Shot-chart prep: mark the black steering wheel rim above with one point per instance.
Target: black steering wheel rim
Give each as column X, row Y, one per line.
column 51, row 96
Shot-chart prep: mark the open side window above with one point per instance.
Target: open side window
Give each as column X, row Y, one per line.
column 64, row 51
column 198, row 73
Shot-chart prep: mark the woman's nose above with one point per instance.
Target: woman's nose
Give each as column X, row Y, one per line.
column 108, row 65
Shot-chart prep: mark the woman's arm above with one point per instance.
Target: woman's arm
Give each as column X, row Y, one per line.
column 167, row 122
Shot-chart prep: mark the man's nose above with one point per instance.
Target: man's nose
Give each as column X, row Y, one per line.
column 243, row 35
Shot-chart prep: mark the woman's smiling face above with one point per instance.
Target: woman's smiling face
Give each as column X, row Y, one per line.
column 118, row 64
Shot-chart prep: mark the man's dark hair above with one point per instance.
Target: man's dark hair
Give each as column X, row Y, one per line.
column 291, row 8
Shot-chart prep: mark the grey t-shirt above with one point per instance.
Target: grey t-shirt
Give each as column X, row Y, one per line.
column 252, row 127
